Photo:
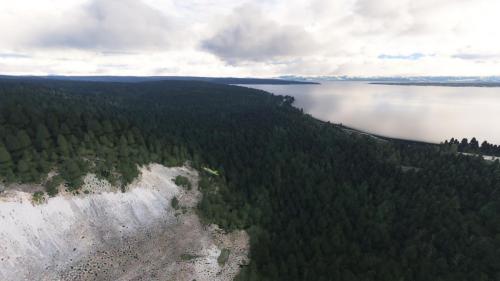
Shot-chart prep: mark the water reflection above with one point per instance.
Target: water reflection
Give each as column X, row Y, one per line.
column 410, row 112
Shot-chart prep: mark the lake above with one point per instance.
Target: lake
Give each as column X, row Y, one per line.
column 425, row 113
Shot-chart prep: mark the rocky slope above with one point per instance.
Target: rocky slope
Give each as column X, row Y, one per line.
column 109, row 235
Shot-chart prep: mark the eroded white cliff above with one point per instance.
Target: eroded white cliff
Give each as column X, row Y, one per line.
column 135, row 235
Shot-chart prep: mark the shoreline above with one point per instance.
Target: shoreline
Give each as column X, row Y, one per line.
column 385, row 138
column 341, row 126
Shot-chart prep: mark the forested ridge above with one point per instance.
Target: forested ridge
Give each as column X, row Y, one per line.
column 318, row 202
column 473, row 147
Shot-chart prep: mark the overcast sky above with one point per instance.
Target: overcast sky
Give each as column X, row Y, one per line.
column 250, row 38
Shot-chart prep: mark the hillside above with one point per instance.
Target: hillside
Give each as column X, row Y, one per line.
column 319, row 203
column 109, row 235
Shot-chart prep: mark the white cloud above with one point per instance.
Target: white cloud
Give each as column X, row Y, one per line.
column 250, row 38
column 248, row 35
column 109, row 25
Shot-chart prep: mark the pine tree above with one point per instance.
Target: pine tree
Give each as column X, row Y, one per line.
column 22, row 170
column 53, row 124
column 23, row 139
column 107, row 127
column 17, row 117
column 12, row 143
column 42, row 137
column 63, row 146
column 5, row 160
column 72, row 172
column 123, row 148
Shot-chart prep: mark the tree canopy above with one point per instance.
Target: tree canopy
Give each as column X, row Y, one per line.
column 319, row 203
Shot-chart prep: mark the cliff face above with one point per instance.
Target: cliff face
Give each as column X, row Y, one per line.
column 135, row 235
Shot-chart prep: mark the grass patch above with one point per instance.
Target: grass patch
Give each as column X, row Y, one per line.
column 210, row 171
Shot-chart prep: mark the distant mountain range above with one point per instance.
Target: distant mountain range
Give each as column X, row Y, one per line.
column 400, row 79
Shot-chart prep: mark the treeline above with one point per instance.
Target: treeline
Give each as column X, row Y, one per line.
column 319, row 203
column 473, row 147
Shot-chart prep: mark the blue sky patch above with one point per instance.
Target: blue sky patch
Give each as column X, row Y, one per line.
column 414, row 56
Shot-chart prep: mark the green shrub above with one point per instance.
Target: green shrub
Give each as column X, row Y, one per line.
column 223, row 257
column 38, row 197
column 52, row 185
column 182, row 181
column 188, row 257
column 175, row 203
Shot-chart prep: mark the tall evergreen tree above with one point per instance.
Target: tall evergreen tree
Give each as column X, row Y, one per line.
column 42, row 137
column 5, row 160
column 63, row 146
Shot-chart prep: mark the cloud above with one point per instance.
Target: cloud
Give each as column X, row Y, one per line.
column 249, row 35
column 383, row 16
column 414, row 56
column 387, row 9
column 259, row 38
column 472, row 56
column 108, row 25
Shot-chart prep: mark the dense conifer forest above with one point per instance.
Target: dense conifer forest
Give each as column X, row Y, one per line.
column 320, row 203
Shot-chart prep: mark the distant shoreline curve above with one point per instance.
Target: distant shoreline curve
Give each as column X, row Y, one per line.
column 442, row 84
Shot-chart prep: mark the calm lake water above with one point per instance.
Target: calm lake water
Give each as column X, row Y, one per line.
column 425, row 113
